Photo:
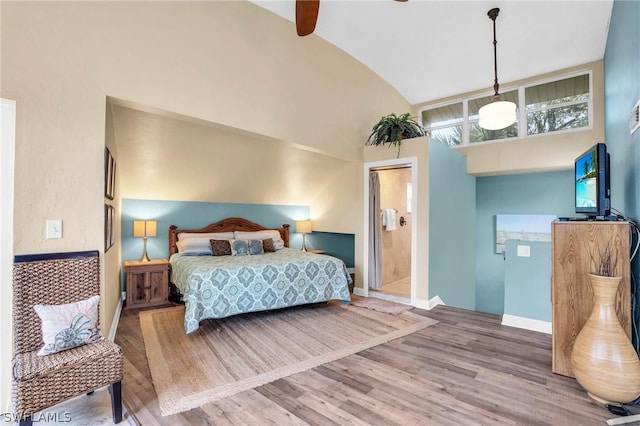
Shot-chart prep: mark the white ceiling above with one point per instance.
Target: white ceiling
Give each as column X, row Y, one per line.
column 430, row 49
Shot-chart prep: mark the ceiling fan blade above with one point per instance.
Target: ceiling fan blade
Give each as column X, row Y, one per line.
column 306, row 16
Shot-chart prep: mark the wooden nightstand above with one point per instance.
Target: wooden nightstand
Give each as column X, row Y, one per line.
column 316, row 251
column 147, row 282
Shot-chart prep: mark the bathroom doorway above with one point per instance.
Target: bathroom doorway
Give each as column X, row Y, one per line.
column 390, row 211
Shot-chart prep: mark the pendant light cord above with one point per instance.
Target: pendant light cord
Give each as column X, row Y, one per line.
column 493, row 14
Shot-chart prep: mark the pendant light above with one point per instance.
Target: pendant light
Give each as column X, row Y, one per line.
column 498, row 114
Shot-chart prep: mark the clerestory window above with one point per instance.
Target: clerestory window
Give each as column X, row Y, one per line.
column 559, row 105
column 551, row 106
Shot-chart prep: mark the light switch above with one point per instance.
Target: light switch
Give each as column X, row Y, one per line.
column 54, row 228
column 524, row 251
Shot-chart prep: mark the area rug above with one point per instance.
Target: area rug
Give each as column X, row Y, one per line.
column 231, row 355
column 381, row 305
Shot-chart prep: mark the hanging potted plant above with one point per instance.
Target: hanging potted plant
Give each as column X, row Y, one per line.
column 392, row 129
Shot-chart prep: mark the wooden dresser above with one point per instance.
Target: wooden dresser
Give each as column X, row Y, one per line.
column 571, row 296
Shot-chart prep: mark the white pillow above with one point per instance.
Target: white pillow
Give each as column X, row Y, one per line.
column 194, row 246
column 209, row 236
column 278, row 242
column 68, row 326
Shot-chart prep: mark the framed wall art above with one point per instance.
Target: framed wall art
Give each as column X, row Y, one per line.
column 109, row 230
column 523, row 227
column 109, row 174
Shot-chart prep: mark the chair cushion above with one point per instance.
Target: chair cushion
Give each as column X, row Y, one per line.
column 28, row 365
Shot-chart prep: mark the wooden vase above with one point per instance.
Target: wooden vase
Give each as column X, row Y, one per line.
column 603, row 359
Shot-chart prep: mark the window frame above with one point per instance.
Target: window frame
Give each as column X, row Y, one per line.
column 566, row 76
column 463, row 123
column 521, row 112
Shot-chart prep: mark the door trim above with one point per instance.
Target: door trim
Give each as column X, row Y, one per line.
column 412, row 162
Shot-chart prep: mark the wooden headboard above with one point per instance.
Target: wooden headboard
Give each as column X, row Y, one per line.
column 225, row 225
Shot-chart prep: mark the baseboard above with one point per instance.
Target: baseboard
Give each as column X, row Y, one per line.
column 116, row 318
column 422, row 304
column 428, row 304
column 418, row 303
column 359, row 291
column 435, row 301
column 526, row 323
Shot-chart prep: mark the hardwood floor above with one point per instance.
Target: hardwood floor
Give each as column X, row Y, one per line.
column 465, row 370
column 397, row 291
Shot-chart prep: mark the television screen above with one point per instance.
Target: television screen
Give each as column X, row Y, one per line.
column 586, row 180
column 592, row 182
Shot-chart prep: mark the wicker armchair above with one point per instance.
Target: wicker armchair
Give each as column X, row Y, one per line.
column 40, row 382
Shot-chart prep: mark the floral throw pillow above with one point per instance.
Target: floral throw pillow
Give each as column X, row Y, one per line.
column 220, row 248
column 239, row 247
column 68, row 326
column 255, row 247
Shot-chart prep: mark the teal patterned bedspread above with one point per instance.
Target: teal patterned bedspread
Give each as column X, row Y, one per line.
column 222, row 286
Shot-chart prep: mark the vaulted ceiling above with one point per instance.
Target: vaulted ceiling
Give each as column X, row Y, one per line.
column 429, row 49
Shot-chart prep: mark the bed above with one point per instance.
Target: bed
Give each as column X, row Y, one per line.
column 222, row 285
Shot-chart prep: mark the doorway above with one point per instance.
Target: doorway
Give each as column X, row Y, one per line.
column 390, row 205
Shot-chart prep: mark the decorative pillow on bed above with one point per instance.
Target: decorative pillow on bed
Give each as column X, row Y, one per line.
column 220, row 247
column 68, row 326
column 239, row 247
column 261, row 235
column 255, row 246
column 194, row 247
column 268, row 246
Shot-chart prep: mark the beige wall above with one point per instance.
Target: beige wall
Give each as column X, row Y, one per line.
column 555, row 151
column 165, row 157
column 229, row 63
column 396, row 244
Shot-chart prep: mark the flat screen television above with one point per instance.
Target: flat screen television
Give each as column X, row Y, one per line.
column 593, row 192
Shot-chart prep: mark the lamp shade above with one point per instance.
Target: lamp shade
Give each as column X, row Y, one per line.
column 144, row 228
column 497, row 115
column 303, row 226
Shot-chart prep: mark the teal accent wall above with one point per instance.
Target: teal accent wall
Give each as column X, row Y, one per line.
column 341, row 246
column 452, row 217
column 196, row 215
column 527, row 281
column 622, row 91
column 531, row 193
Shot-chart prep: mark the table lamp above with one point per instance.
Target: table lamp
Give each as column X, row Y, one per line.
column 144, row 229
column 304, row 228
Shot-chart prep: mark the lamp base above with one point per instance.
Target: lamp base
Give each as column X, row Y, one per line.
column 304, row 247
column 144, row 257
